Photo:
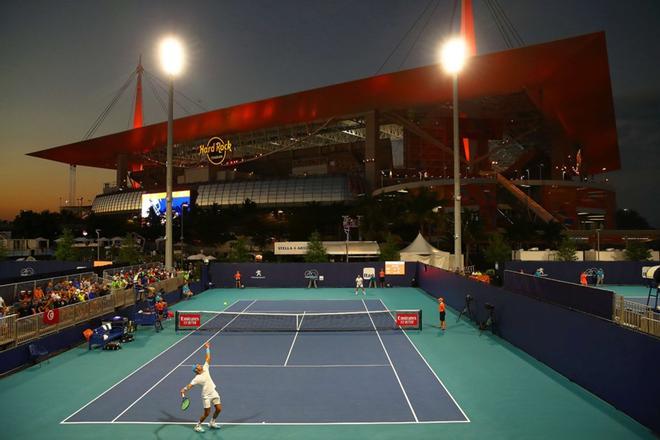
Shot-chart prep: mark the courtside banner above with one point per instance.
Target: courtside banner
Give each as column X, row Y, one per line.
column 189, row 320
column 407, row 319
column 51, row 316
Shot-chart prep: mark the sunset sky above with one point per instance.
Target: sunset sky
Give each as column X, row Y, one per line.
column 61, row 62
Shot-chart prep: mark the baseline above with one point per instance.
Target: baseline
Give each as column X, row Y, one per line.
column 179, row 364
column 135, row 371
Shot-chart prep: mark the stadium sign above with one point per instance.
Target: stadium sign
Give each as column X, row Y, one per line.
column 216, row 150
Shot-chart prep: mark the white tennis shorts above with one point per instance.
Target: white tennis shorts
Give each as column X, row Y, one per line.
column 213, row 399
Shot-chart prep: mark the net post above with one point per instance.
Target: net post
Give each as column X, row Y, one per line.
column 176, row 321
column 420, row 319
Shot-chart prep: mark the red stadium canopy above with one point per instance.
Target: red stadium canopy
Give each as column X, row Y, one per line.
column 568, row 81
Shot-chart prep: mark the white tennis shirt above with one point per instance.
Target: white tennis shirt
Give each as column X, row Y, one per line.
column 204, row 379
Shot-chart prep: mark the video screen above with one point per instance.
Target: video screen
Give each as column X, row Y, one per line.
column 157, row 202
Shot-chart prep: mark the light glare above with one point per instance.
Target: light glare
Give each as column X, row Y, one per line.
column 453, row 55
column 171, row 56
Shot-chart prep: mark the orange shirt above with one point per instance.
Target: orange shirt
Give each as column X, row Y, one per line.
column 441, row 307
column 382, row 273
column 237, row 276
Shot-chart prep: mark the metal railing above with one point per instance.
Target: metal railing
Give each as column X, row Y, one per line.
column 10, row 291
column 637, row 316
column 109, row 273
column 15, row 330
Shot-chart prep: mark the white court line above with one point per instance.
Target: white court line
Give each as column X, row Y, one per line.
column 467, row 419
column 294, row 339
column 292, row 366
column 172, row 370
column 424, row 422
column 392, row 365
column 135, row 371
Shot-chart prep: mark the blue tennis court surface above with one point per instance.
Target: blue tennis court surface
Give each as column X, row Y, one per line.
column 634, row 293
column 337, row 377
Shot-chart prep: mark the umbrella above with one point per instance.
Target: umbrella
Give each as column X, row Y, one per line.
column 201, row 257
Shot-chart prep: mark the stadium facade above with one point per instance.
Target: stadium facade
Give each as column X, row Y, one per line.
column 537, row 127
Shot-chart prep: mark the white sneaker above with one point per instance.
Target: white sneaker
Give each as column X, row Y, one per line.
column 198, row 428
column 214, row 425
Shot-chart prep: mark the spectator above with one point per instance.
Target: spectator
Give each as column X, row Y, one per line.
column 583, row 278
column 185, row 290
column 381, row 277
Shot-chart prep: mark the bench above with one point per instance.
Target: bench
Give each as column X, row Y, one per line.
column 104, row 334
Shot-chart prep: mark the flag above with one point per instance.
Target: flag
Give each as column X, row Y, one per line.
column 51, row 316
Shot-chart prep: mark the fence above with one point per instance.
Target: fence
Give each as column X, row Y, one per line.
column 109, row 273
column 10, row 291
column 19, row 330
column 15, row 330
column 598, row 302
column 637, row 316
column 33, row 326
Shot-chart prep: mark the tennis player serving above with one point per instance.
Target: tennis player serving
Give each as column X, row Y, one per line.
column 210, row 395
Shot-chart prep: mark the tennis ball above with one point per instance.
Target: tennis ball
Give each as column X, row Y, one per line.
column 225, row 302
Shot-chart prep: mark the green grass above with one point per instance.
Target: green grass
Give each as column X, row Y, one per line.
column 505, row 393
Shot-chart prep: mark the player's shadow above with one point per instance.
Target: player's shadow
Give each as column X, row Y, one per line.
column 168, row 417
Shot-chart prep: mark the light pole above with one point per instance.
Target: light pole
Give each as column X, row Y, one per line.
column 98, row 245
column 183, row 208
column 171, row 55
column 453, row 58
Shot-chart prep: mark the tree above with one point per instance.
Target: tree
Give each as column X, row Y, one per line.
column 636, row 251
column 566, row 251
column 315, row 251
column 129, row 253
column 498, row 250
column 389, row 251
column 239, row 251
column 630, row 219
column 65, row 250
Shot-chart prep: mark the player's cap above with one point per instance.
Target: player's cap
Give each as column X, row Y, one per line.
column 194, row 368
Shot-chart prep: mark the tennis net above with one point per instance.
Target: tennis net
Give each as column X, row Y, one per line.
column 298, row 322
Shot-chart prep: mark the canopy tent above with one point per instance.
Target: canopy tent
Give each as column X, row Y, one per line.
column 420, row 250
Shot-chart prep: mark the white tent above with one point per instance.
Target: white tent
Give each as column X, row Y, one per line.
column 420, row 250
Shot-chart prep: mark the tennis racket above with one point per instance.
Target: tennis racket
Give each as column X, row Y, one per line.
column 185, row 403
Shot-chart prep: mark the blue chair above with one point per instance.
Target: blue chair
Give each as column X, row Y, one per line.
column 36, row 352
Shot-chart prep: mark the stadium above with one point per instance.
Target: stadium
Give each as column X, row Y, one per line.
column 522, row 135
column 372, row 348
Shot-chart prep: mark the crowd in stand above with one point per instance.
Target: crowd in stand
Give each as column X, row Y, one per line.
column 141, row 277
column 62, row 293
column 53, row 295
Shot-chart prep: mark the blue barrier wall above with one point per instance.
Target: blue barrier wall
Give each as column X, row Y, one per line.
column 293, row 274
column 62, row 340
column 616, row 364
column 69, row 337
column 16, row 269
column 592, row 300
column 616, row 272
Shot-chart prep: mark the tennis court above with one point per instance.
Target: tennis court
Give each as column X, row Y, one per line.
column 134, row 392
column 634, row 293
column 327, row 376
